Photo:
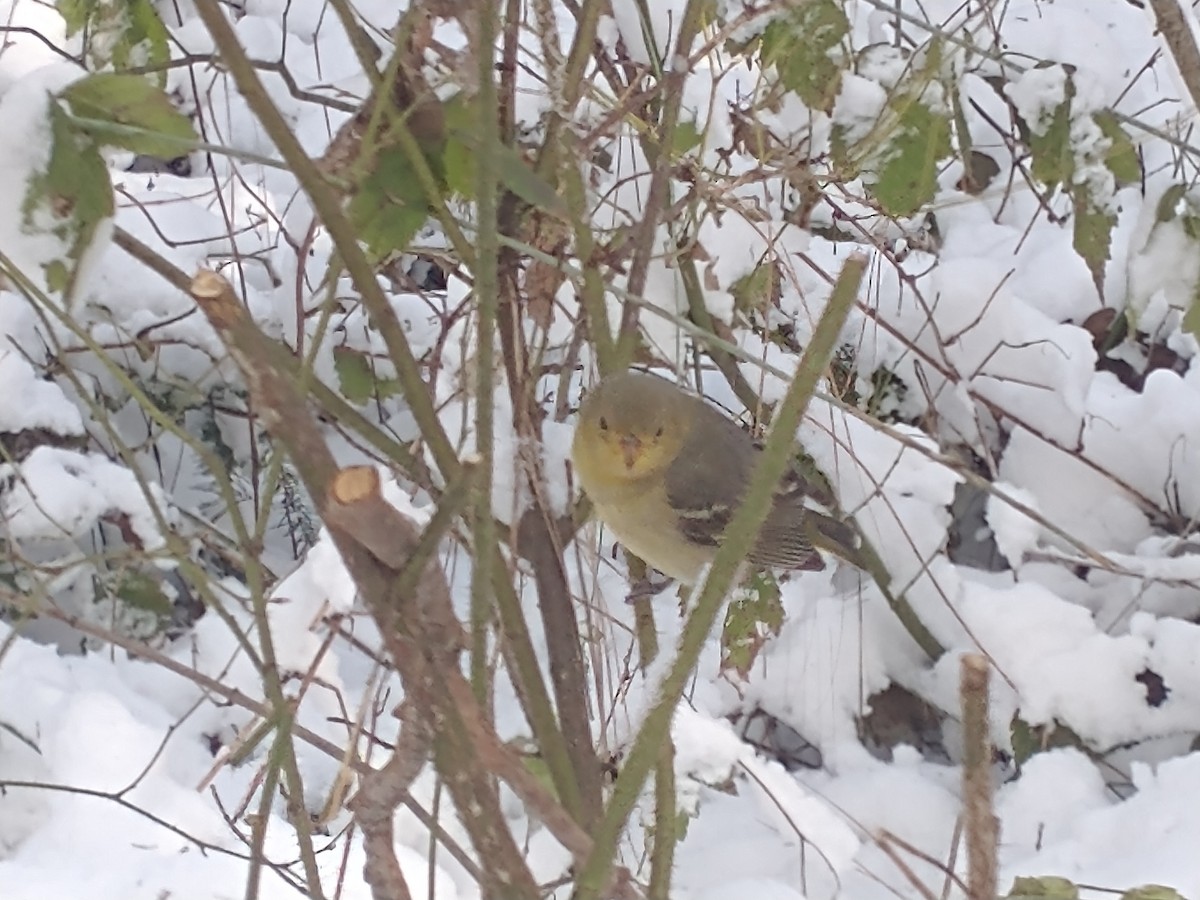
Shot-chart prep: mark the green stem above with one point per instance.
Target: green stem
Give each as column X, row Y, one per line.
column 525, row 667
column 487, row 253
column 666, row 825
column 258, row 831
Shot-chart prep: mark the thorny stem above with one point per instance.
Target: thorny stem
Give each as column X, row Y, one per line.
column 487, row 253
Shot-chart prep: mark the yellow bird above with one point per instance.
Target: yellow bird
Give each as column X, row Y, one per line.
column 666, row 472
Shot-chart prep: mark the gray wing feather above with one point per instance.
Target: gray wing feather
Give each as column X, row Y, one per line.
column 704, row 489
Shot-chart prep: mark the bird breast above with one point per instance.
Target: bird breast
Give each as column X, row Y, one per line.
column 637, row 521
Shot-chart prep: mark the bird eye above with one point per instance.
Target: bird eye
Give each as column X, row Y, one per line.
column 659, row 433
column 603, row 424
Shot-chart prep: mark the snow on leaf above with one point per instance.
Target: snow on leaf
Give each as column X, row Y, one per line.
column 898, row 155
column 121, row 33
column 70, row 199
column 1121, row 158
column 1043, row 97
column 802, row 44
column 61, row 493
column 918, row 140
column 977, row 329
column 753, row 616
column 29, row 402
column 1014, row 531
column 1152, row 892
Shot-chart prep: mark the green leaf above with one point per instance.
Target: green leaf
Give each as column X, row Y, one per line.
column 459, row 162
column 1030, row 739
column 75, row 14
column 898, row 154
column 1191, row 317
column 358, row 379
column 147, row 122
column 143, row 592
column 754, row 615
column 518, row 177
column 539, row 769
column 1049, row 886
column 388, row 207
column 1152, row 892
column 120, row 33
column 801, row 46
column 146, row 30
column 916, row 143
column 1093, row 234
column 58, row 276
column 513, row 172
column 1168, row 203
column 755, row 290
column 1020, row 735
column 70, row 199
column 1050, row 142
column 1178, row 203
column 687, row 137
column 682, row 821
column 1121, row 158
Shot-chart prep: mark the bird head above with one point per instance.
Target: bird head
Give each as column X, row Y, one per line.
column 631, row 425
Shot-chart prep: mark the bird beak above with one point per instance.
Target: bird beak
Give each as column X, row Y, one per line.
column 631, row 449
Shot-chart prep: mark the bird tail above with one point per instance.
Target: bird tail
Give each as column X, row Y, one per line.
column 834, row 536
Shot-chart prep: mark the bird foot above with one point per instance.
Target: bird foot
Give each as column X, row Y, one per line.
column 646, row 587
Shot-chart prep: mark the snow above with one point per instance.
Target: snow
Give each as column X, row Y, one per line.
column 56, row 493
column 134, row 774
column 1015, row 532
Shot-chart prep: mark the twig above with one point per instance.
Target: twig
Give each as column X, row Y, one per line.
column 152, row 655
column 982, row 828
column 375, row 804
column 525, row 666
column 885, row 840
column 541, row 543
column 1181, row 41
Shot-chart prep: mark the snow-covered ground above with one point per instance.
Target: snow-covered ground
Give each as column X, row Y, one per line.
column 112, row 779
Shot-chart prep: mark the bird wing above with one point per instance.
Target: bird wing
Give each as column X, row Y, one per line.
column 708, row 478
column 706, row 483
